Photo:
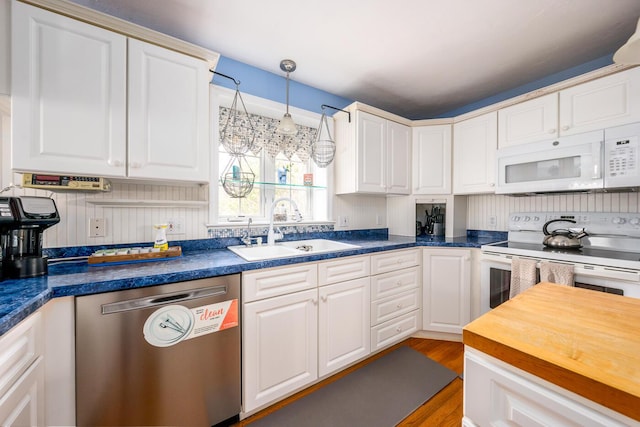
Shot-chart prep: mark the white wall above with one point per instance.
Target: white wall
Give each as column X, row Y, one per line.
column 480, row 208
column 361, row 211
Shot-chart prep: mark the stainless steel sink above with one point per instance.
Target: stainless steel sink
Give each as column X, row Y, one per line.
column 289, row 249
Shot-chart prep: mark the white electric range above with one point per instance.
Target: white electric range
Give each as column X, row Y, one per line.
column 608, row 261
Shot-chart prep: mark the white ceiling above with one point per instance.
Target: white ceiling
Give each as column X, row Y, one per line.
column 415, row 58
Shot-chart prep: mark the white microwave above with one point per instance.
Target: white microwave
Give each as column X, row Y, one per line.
column 621, row 151
column 570, row 163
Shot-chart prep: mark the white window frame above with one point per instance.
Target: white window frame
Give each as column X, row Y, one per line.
column 220, row 96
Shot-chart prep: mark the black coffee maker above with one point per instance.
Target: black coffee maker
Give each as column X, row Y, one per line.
column 22, row 222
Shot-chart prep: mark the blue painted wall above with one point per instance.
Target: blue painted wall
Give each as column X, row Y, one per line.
column 546, row 81
column 271, row 86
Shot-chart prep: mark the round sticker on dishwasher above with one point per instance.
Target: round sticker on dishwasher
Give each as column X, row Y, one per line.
column 168, row 325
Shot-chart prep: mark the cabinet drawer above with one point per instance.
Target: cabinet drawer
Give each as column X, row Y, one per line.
column 272, row 282
column 18, row 349
column 395, row 330
column 23, row 404
column 388, row 284
column 391, row 307
column 343, row 269
column 517, row 400
column 396, row 260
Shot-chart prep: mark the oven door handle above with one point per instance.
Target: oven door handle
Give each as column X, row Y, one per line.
column 607, row 273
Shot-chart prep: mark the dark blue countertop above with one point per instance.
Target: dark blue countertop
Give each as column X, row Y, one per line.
column 21, row 297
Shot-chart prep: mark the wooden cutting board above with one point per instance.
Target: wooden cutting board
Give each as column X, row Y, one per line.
column 172, row 252
column 584, row 341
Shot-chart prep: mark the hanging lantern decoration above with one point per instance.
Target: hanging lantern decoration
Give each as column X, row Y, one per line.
column 238, row 133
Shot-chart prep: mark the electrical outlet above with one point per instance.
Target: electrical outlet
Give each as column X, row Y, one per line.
column 175, row 226
column 378, row 219
column 97, row 227
column 492, row 221
column 343, row 221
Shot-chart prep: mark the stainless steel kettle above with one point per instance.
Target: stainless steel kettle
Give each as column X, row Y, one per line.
column 562, row 238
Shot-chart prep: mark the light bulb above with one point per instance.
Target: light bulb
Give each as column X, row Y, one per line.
column 287, row 126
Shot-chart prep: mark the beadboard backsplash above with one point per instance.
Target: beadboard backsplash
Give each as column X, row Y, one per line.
column 129, row 213
column 482, row 208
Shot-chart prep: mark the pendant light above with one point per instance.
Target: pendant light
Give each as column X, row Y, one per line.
column 629, row 53
column 287, row 126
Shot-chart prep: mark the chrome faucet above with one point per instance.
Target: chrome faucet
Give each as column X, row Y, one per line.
column 246, row 236
column 272, row 235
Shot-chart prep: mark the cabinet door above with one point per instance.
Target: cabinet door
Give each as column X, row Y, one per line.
column 5, row 47
column 609, row 101
column 168, row 114
column 68, row 95
column 446, row 301
column 23, row 404
column 280, row 346
column 398, row 159
column 529, row 121
column 474, row 154
column 432, row 159
column 371, row 153
column 344, row 326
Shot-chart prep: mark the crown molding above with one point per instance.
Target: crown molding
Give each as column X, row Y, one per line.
column 111, row 23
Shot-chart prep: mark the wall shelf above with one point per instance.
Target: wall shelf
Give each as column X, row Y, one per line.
column 277, row 184
column 136, row 203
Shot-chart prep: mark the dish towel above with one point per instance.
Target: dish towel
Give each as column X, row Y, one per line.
column 523, row 275
column 554, row 272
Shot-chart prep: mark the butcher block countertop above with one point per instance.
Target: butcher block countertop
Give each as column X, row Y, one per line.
column 584, row 341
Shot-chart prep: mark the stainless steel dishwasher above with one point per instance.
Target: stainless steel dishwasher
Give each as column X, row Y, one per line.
column 161, row 355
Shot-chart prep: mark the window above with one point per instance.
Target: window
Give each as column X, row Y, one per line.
column 274, row 178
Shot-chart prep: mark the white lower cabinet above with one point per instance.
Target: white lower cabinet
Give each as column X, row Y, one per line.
column 295, row 332
column 343, row 330
column 395, row 296
column 446, row 305
column 497, row 394
column 304, row 322
column 280, row 346
column 22, row 374
column 23, row 405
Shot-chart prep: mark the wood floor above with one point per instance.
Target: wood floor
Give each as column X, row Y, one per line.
column 442, row 410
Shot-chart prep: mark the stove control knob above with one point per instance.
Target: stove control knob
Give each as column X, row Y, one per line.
column 618, row 220
column 634, row 221
column 536, row 218
column 526, row 218
column 516, row 218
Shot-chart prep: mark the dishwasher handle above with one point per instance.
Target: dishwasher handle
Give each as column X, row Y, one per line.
column 157, row 300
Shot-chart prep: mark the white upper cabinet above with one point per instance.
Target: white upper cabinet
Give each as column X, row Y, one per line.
column 168, row 114
column 372, row 155
column 474, row 153
column 529, row 121
column 5, row 47
column 84, row 103
column 398, row 158
column 432, row 159
column 372, row 146
column 68, row 95
column 609, row 101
